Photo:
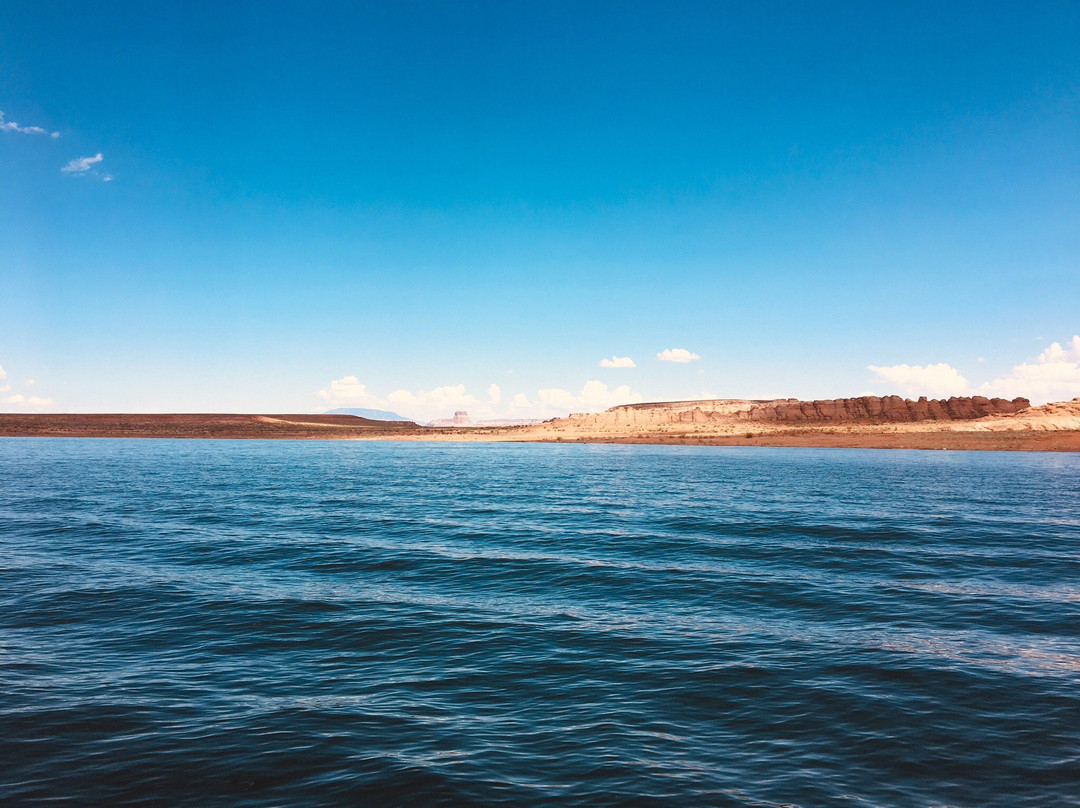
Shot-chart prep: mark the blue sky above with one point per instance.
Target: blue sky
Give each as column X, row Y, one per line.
column 429, row 207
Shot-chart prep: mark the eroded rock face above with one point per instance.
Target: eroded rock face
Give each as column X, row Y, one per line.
column 667, row 415
column 887, row 409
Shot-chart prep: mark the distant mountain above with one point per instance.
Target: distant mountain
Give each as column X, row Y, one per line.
column 375, row 415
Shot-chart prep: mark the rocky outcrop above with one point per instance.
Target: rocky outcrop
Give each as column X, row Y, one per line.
column 1058, row 416
column 864, row 410
column 664, row 413
column 887, row 409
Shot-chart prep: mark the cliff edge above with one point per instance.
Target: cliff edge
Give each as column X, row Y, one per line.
column 862, row 410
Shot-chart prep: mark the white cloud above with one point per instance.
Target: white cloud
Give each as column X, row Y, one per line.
column 11, row 126
column 348, row 392
column 1054, row 376
column 424, row 405
column 680, row 355
column 618, row 362
column 442, row 402
column 917, row 380
column 81, row 165
column 1055, row 353
column 594, row 397
column 20, row 403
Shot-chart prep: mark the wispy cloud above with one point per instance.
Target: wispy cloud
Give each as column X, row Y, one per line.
column 81, row 165
column 11, row 126
column 18, row 402
column 27, row 402
column 680, row 355
column 618, row 362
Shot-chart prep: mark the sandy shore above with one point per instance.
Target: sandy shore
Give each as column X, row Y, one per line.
column 1052, row 427
column 867, row 438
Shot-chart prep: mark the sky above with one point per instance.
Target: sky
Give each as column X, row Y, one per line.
column 525, row 209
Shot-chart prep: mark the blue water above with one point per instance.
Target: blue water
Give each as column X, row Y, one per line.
column 306, row 623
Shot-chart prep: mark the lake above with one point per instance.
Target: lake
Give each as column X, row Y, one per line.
column 253, row 623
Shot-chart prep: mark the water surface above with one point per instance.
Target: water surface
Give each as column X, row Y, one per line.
column 305, row 623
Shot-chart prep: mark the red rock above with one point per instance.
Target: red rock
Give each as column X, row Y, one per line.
column 872, row 409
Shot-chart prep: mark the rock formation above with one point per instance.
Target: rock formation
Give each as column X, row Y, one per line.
column 888, row 409
column 863, row 410
column 461, row 418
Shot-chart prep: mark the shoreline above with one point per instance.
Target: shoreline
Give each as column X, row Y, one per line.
column 975, row 435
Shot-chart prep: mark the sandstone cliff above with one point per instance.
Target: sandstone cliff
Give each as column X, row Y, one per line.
column 1058, row 416
column 863, row 410
column 889, row 409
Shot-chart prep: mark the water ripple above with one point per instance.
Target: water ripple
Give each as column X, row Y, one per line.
column 274, row 623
